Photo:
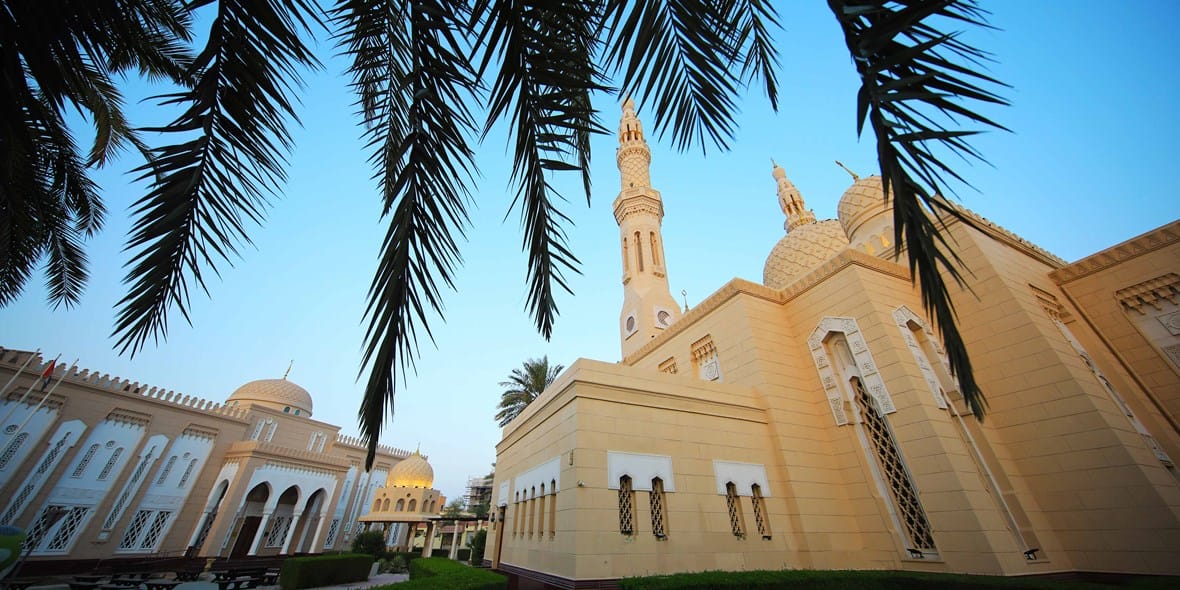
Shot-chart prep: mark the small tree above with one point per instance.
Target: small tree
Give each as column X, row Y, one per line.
column 371, row 542
column 453, row 510
column 477, row 544
column 481, row 510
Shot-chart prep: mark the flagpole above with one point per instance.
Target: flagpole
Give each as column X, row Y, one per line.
column 45, row 397
column 4, row 389
column 26, row 395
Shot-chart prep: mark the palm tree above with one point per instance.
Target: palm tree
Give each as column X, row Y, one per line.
column 523, row 386
column 431, row 78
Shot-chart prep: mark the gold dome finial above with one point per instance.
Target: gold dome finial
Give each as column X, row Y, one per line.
column 854, row 176
column 288, row 371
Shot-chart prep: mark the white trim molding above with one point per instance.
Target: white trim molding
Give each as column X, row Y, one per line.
column 641, row 468
column 743, row 475
column 874, row 385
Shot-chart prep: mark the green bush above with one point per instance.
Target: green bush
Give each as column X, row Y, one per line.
column 835, row 580
column 438, row 573
column 371, row 542
column 324, row 570
column 399, row 565
column 478, row 543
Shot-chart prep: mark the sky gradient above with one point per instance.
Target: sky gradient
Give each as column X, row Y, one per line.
column 1093, row 132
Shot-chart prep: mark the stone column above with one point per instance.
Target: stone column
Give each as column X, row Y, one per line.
column 258, row 535
column 295, row 516
column 428, row 542
column 454, row 554
column 317, row 539
column 200, row 525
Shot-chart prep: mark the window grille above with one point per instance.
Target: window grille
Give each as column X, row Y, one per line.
column 106, row 469
column 36, row 533
column 135, row 529
column 166, row 470
column 626, row 506
column 733, row 503
column 68, row 529
column 187, row 473
column 81, row 468
column 658, row 508
column 257, row 434
column 897, row 479
column 330, row 539
column 12, row 448
column 205, row 528
column 117, row 509
column 760, row 517
column 46, row 464
column 278, row 532
column 156, row 530
column 532, row 504
column 553, row 508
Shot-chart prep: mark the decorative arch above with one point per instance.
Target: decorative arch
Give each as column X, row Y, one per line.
column 400, row 506
column 871, row 378
column 907, row 322
column 413, row 506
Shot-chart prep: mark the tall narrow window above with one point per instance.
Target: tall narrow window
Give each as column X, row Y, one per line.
column 516, row 508
column 106, row 469
column 658, row 509
column 81, row 468
column 655, row 252
column 166, row 470
column 897, row 478
column 760, row 516
column 188, row 472
column 541, row 513
column 626, row 506
column 639, row 250
column 553, row 508
column 12, row 448
column 532, row 510
column 734, row 505
column 626, row 257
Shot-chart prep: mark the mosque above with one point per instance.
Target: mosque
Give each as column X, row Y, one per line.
column 811, row 421
column 95, row 467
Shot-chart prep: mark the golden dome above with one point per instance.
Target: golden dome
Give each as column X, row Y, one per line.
column 864, row 200
column 278, row 394
column 801, row 250
column 412, row 472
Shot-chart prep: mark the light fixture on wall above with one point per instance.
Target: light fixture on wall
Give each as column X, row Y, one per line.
column 915, row 553
column 1031, row 554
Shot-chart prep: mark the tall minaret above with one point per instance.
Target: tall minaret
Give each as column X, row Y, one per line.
column 790, row 200
column 648, row 306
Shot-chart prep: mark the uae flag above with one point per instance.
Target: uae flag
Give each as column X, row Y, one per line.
column 47, row 375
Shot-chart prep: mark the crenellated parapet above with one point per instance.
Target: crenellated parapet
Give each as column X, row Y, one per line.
column 356, row 443
column 13, row 359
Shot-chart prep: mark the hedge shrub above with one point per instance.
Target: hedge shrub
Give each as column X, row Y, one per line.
column 835, row 580
column 324, row 570
column 440, row 573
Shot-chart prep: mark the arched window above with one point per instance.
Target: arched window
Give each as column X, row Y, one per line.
column 286, row 409
column 413, row 505
column 106, row 469
column 761, row 519
column 655, row 252
column 385, row 505
column 553, row 508
column 639, row 250
column 516, row 514
column 733, row 503
column 81, row 468
column 166, row 470
column 400, row 506
column 541, row 513
column 12, row 448
column 188, row 472
column 532, row 504
column 433, row 506
column 626, row 506
column 377, row 505
column 658, row 506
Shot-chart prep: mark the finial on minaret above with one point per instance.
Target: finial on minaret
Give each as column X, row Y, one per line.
column 850, row 173
column 790, row 200
column 684, row 294
column 288, row 371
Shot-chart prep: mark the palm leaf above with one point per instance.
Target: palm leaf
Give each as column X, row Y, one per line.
column 228, row 157
column 916, row 83
column 413, row 85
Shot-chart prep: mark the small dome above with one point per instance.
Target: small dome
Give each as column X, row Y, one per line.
column 801, row 250
column 864, row 200
column 412, row 472
column 278, row 394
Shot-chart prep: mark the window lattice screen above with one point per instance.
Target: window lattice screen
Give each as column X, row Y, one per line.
column 732, row 502
column 626, row 506
column 657, row 509
column 897, row 479
column 760, row 517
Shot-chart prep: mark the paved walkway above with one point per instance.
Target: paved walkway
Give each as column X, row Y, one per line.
column 377, row 580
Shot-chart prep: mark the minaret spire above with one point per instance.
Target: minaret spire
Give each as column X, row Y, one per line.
column 791, row 200
column 648, row 306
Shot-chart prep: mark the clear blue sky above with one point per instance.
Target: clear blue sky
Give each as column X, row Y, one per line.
column 1093, row 115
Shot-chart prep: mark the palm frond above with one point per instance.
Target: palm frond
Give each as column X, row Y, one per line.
column 916, row 79
column 413, row 86
column 681, row 55
column 524, row 385
column 228, row 157
column 547, row 72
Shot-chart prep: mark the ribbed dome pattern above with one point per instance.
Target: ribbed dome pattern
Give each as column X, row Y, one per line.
column 276, row 393
column 864, row 200
column 412, row 472
column 803, row 249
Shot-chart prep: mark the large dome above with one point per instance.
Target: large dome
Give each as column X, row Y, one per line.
column 278, row 394
column 801, row 250
column 412, row 472
column 864, row 200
